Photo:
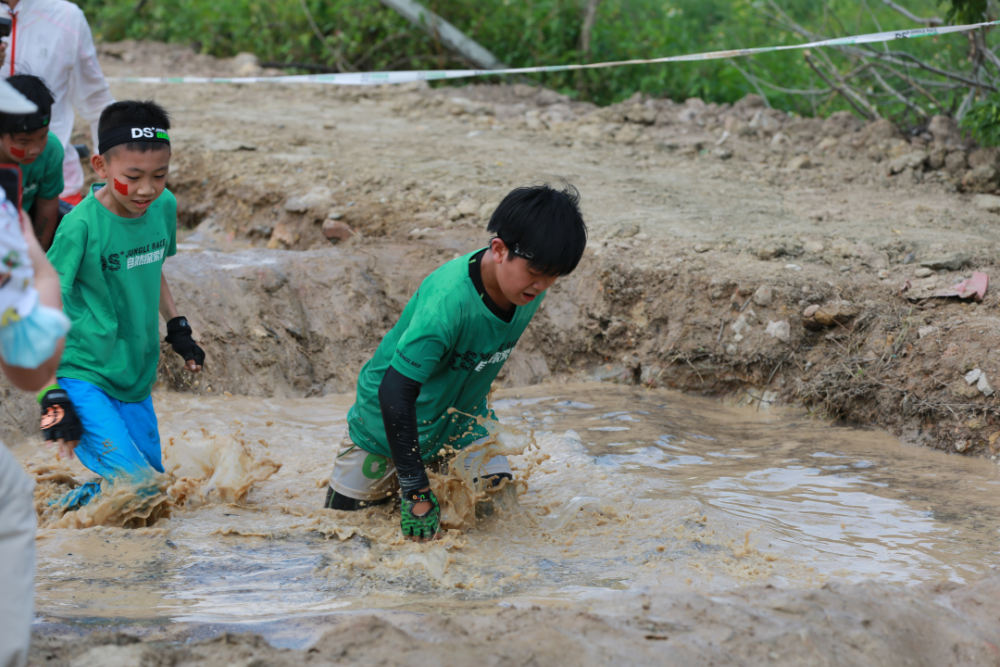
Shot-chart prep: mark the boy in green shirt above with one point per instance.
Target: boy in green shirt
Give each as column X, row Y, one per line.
column 451, row 340
column 27, row 142
column 109, row 253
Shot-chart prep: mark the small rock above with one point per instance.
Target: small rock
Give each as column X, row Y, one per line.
column 961, row 445
column 468, row 207
column 972, row 377
column 841, row 123
column 731, row 350
column 767, row 252
column 699, row 247
column 984, row 385
column 923, row 332
column 956, row 162
column 800, row 162
column 793, row 267
column 923, row 273
column 910, row 258
column 830, row 314
column 952, row 262
column 779, row 330
column 982, row 157
column 334, row 214
column 763, row 296
column 282, row 236
column 914, row 160
column 722, row 153
column 246, row 65
column 335, row 230
column 989, row 203
column 624, row 230
column 982, row 179
column 454, row 213
column 742, row 324
column 827, row 144
column 810, row 311
column 813, row 247
column 486, row 210
column 316, row 202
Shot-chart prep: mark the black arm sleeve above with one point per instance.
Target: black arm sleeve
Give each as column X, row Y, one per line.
column 397, row 396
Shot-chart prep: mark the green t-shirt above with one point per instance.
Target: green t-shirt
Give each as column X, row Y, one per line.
column 43, row 178
column 448, row 340
column 109, row 269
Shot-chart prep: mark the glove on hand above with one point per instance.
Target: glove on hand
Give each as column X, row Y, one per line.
column 179, row 336
column 59, row 418
column 424, row 526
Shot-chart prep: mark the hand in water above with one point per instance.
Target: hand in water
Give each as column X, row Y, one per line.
column 420, row 516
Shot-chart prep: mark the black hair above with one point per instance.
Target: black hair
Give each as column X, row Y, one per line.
column 134, row 113
column 544, row 226
column 35, row 90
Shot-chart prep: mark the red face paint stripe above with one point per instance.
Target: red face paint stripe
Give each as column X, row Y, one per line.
column 121, row 187
column 17, row 152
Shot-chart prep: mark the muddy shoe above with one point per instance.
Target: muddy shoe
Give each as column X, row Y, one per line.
column 79, row 496
column 424, row 526
column 338, row 501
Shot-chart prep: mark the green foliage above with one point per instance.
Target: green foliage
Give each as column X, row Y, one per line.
column 964, row 12
column 983, row 122
column 364, row 35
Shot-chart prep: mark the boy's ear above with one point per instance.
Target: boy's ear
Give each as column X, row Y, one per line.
column 499, row 250
column 100, row 165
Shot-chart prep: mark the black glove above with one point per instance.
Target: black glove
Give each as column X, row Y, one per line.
column 179, row 336
column 59, row 418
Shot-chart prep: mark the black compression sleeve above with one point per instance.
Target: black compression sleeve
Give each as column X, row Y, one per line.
column 397, row 396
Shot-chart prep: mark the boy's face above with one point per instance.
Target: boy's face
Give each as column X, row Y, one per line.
column 25, row 147
column 135, row 179
column 518, row 281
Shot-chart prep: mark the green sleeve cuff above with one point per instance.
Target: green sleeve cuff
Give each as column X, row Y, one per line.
column 42, row 393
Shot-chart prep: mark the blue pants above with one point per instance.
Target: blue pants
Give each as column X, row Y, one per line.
column 121, row 441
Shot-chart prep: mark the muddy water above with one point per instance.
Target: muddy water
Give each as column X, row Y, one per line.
column 627, row 488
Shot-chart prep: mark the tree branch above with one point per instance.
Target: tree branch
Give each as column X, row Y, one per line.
column 853, row 98
column 929, row 22
column 589, row 18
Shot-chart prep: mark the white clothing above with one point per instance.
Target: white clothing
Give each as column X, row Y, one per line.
column 17, row 553
column 18, row 296
column 51, row 40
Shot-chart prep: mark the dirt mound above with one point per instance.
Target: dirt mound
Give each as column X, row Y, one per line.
column 873, row 624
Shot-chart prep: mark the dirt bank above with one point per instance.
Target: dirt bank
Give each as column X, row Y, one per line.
column 870, row 624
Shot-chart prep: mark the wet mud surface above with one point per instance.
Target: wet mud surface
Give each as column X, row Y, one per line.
column 633, row 497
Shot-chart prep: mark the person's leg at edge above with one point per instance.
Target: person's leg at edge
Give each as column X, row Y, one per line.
column 107, row 446
column 359, row 479
column 17, row 553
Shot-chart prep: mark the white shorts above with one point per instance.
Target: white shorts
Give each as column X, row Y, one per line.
column 363, row 476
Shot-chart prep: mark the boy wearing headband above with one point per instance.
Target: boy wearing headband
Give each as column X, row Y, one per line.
column 109, row 252
column 25, row 140
column 449, row 344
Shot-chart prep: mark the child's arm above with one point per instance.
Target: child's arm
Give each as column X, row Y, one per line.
column 179, row 331
column 397, row 397
column 49, row 294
